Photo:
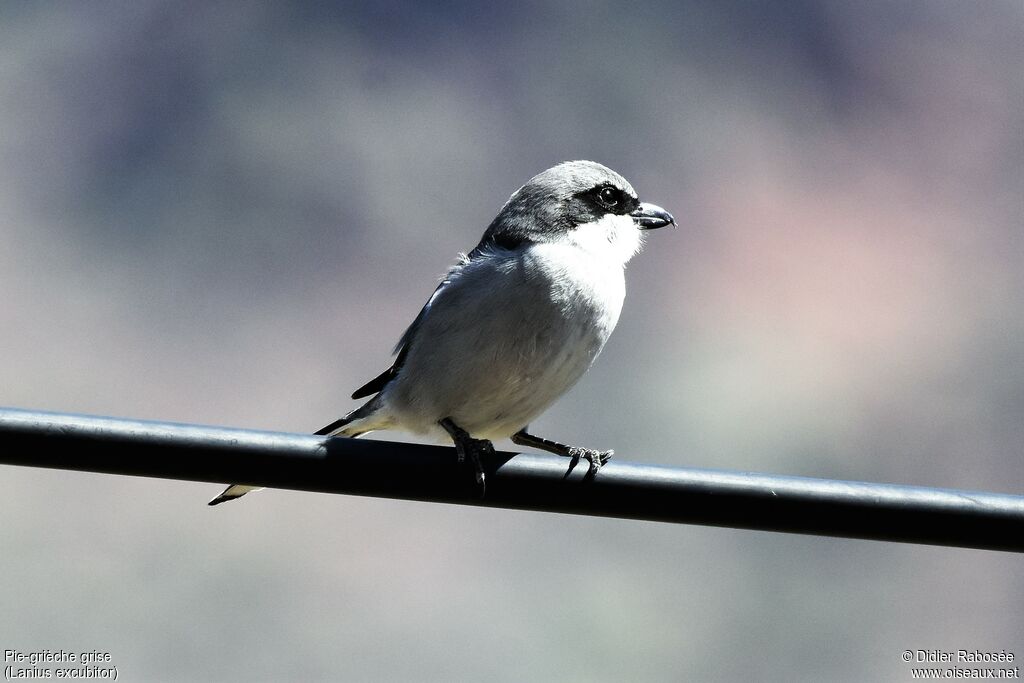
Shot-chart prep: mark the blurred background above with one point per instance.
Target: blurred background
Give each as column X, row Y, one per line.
column 227, row 214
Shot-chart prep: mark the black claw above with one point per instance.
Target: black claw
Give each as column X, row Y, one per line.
column 469, row 451
column 596, row 459
column 478, row 445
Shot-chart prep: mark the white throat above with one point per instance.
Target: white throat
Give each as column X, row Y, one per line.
column 610, row 238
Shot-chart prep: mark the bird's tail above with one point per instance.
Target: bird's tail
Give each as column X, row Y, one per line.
column 336, row 427
column 344, row 426
column 232, row 492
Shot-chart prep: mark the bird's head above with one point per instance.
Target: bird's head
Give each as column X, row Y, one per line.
column 581, row 202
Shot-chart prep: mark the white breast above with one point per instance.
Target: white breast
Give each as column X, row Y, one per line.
column 512, row 332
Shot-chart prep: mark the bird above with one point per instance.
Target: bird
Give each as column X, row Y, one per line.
column 514, row 323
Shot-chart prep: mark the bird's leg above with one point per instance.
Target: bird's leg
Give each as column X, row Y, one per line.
column 469, row 449
column 595, row 458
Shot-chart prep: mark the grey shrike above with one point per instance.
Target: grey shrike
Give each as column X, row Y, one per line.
column 514, row 323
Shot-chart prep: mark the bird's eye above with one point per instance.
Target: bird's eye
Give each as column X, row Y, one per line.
column 610, row 197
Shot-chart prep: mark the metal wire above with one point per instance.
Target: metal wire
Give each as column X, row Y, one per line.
column 885, row 512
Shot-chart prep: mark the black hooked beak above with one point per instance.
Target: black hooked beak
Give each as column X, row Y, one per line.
column 651, row 217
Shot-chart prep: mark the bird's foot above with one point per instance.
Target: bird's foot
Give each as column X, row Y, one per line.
column 470, row 452
column 574, row 453
column 594, row 457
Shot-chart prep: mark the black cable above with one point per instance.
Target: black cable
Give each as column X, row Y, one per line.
column 526, row 481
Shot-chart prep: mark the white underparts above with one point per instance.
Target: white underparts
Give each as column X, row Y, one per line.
column 510, row 332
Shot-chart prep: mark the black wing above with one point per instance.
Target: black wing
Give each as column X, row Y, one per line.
column 378, row 383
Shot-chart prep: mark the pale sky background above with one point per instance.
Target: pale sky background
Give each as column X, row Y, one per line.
column 226, row 214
